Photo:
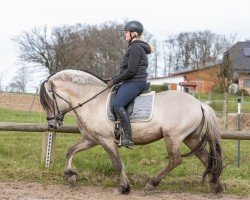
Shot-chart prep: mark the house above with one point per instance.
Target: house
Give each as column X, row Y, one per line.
column 171, row 81
column 239, row 55
column 195, row 80
column 203, row 80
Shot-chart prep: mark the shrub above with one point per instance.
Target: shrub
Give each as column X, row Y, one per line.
column 159, row 88
column 216, row 89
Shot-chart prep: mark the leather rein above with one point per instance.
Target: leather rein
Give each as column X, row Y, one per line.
column 60, row 114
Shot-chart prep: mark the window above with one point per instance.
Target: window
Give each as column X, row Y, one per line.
column 247, row 51
column 246, row 83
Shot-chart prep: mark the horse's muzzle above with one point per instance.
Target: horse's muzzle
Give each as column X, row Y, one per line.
column 52, row 124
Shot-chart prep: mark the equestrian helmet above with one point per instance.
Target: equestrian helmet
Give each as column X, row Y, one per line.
column 134, row 26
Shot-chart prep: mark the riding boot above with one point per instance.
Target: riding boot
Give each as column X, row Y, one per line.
column 125, row 124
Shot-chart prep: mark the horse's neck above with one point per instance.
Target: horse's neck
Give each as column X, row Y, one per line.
column 81, row 94
column 93, row 108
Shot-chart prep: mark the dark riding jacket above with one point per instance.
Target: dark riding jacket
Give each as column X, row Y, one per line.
column 134, row 63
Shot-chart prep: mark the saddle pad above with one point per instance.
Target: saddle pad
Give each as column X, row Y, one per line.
column 142, row 108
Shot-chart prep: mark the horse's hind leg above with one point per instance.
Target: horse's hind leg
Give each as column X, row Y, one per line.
column 173, row 149
column 202, row 154
column 82, row 145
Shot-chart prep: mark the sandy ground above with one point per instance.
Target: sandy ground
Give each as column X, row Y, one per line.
column 36, row 191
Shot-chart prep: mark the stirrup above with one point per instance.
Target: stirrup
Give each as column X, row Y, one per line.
column 118, row 142
column 128, row 144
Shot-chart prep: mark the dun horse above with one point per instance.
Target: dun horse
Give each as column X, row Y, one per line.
column 177, row 117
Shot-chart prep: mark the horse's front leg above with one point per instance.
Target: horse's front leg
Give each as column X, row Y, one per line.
column 82, row 145
column 111, row 148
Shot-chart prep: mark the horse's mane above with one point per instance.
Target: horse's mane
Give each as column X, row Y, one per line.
column 45, row 100
column 78, row 76
column 73, row 75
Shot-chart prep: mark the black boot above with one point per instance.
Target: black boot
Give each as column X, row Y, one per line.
column 125, row 124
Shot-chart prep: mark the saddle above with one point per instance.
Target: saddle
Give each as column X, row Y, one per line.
column 139, row 110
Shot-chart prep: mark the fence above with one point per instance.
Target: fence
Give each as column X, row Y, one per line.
column 30, row 103
column 28, row 127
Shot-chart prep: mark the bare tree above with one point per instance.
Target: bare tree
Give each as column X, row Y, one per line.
column 155, row 57
column 186, row 44
column 20, row 81
column 193, row 50
column 97, row 48
column 1, row 80
column 168, row 56
column 35, row 47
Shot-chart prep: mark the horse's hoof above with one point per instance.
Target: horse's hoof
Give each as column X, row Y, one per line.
column 124, row 189
column 216, row 188
column 71, row 176
column 149, row 187
column 72, row 180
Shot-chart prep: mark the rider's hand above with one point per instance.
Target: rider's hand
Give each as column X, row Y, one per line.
column 107, row 80
column 110, row 83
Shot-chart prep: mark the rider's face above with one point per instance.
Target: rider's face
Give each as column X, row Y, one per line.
column 127, row 35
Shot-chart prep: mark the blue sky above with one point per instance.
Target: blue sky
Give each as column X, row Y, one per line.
column 160, row 18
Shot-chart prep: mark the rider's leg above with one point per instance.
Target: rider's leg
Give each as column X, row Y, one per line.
column 127, row 92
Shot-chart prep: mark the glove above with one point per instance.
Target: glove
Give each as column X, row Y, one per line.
column 107, row 80
column 110, row 83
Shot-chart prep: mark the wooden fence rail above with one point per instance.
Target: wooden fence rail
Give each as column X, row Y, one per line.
column 28, row 127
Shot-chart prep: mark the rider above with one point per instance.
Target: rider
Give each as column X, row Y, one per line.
column 133, row 76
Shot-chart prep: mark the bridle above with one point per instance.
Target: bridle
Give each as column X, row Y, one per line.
column 59, row 116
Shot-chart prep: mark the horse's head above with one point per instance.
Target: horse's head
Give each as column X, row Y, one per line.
column 55, row 103
column 58, row 91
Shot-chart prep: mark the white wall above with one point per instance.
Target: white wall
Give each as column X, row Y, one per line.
column 167, row 80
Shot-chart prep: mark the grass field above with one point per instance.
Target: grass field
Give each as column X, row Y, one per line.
column 20, row 158
column 216, row 102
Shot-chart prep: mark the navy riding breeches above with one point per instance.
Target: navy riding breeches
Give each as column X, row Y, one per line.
column 127, row 93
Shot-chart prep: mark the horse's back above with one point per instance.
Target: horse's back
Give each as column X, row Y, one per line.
column 177, row 108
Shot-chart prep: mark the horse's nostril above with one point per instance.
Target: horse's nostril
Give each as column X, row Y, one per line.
column 51, row 126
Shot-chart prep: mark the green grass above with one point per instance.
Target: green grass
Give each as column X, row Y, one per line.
column 7, row 115
column 20, row 158
column 219, row 96
column 216, row 102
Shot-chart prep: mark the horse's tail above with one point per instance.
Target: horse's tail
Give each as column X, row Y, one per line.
column 212, row 135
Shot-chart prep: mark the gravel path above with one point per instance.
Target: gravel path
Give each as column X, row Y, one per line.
column 36, row 191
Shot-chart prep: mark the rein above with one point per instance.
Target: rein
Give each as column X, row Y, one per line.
column 60, row 115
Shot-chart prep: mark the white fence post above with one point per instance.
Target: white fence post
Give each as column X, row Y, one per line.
column 48, row 149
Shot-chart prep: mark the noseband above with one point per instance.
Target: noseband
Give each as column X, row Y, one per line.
column 60, row 114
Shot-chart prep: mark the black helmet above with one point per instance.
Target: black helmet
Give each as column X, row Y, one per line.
column 134, row 26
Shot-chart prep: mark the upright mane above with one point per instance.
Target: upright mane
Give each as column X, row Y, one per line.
column 78, row 77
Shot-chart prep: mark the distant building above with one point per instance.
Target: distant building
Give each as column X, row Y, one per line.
column 202, row 80
column 239, row 55
column 196, row 80
column 171, row 81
